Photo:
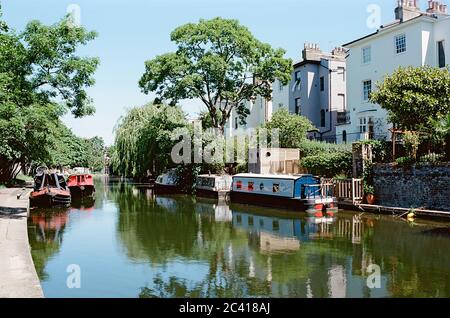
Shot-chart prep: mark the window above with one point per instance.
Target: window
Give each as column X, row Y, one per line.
column 362, row 125
column 322, row 118
column 239, row 185
column 238, row 219
column 297, row 76
column 441, row 53
column 367, row 89
column 297, row 106
column 261, row 222
column 250, row 221
column 275, row 225
column 322, row 84
column 251, row 186
column 276, row 188
column 281, row 86
column 344, row 136
column 400, row 43
column 366, row 55
column 366, row 124
column 236, row 123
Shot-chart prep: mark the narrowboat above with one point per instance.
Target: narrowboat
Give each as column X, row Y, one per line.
column 50, row 189
column 167, row 183
column 294, row 192
column 81, row 184
column 213, row 186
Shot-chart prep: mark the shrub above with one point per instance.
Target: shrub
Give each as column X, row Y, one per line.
column 328, row 164
column 313, row 148
column 404, row 161
column 431, row 158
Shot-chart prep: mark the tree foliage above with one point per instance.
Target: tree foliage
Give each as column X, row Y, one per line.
column 144, row 139
column 41, row 78
column 219, row 62
column 415, row 96
column 292, row 128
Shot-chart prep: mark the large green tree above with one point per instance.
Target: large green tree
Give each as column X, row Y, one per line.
column 415, row 96
column 219, row 62
column 41, row 78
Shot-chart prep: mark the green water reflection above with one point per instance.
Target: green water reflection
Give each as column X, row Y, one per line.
column 131, row 243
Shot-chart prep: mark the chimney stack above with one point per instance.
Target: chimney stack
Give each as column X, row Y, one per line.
column 312, row 52
column 437, row 7
column 407, row 10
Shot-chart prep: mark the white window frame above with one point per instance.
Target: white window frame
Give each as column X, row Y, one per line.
column 396, row 43
column 364, row 90
column 363, row 55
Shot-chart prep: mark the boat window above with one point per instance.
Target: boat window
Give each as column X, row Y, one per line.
column 251, row 186
column 261, row 186
column 276, row 225
column 250, row 221
column 261, row 222
column 276, row 188
column 239, row 185
column 238, row 219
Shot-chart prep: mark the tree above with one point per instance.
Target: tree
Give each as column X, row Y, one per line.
column 219, row 62
column 415, row 96
column 41, row 78
column 292, row 128
column 144, row 139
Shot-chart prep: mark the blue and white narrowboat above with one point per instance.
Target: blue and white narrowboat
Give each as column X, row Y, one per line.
column 214, row 186
column 295, row 192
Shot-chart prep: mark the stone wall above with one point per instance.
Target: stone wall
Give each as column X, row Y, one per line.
column 416, row 187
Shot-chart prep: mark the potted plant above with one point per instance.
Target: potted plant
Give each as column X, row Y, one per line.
column 369, row 193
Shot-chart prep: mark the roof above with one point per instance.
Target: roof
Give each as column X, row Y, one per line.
column 213, row 176
column 271, row 176
column 304, row 62
column 387, row 27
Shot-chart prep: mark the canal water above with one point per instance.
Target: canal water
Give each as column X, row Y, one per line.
column 131, row 243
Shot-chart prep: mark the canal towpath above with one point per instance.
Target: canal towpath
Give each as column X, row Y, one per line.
column 18, row 277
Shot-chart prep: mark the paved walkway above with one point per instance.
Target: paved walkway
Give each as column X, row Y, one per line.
column 18, row 277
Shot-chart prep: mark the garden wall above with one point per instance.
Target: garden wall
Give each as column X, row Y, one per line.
column 418, row 187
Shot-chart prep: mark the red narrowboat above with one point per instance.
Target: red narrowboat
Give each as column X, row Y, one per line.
column 81, row 185
column 50, row 189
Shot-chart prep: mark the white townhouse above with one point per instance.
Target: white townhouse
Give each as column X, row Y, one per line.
column 261, row 111
column 415, row 38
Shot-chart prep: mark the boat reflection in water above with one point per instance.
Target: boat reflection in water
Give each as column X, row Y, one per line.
column 216, row 210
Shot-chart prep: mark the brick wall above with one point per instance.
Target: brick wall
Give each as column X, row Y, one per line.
column 417, row 187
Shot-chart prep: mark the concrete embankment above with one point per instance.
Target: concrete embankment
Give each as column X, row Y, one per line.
column 18, row 277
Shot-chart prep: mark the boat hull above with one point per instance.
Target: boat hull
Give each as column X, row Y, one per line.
column 311, row 206
column 50, row 197
column 203, row 193
column 80, row 192
column 167, row 189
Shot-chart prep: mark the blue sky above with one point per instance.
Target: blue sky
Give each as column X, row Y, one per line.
column 133, row 31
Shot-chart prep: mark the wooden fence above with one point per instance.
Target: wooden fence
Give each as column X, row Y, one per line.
column 350, row 190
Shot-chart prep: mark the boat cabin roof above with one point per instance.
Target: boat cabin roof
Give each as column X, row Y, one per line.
column 213, row 176
column 272, row 176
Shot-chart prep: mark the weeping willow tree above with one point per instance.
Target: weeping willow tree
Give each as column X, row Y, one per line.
column 144, row 139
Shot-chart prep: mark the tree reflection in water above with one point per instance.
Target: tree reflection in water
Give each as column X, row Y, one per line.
column 191, row 247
